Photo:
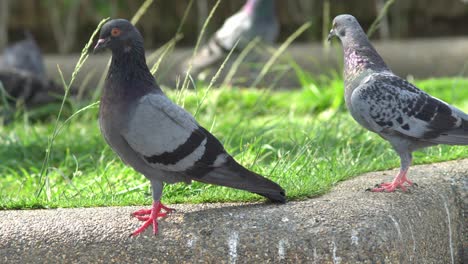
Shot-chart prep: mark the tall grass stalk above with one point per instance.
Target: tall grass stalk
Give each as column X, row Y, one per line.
column 141, row 11
column 166, row 48
column 5, row 96
column 239, row 60
column 383, row 12
column 84, row 56
column 197, row 45
column 184, row 17
column 169, row 46
column 280, row 51
column 326, row 24
column 215, row 77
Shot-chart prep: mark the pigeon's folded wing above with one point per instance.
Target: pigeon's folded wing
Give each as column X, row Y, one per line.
column 391, row 104
column 168, row 138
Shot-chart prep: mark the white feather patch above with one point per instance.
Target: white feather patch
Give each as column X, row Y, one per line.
column 234, row 28
column 220, row 160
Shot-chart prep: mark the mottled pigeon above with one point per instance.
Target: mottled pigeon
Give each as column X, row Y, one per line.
column 390, row 106
column 256, row 19
column 24, row 55
column 155, row 136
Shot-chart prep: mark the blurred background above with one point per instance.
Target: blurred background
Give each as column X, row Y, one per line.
column 63, row 26
column 418, row 38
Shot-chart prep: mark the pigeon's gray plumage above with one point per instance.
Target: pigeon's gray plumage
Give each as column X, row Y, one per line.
column 390, row 106
column 155, row 136
column 23, row 75
column 256, row 19
column 24, row 55
column 28, row 89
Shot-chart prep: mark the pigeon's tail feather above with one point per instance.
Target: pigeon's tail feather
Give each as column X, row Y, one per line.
column 232, row 174
column 458, row 136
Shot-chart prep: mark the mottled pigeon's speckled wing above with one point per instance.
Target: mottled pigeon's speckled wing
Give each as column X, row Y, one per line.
column 389, row 103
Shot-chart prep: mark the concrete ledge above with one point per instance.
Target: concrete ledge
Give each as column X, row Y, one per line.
column 347, row 225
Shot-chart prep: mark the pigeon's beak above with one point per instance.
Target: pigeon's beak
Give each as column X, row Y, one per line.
column 101, row 44
column 331, row 34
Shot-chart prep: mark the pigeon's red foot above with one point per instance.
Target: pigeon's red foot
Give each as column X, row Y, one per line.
column 150, row 216
column 398, row 182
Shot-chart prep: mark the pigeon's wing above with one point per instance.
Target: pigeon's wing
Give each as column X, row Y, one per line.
column 390, row 104
column 168, row 138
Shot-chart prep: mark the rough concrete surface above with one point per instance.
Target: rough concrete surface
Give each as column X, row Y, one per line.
column 347, row 225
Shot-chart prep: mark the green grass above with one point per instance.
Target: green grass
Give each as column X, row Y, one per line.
column 291, row 137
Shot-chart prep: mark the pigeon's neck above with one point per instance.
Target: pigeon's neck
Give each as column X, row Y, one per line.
column 129, row 76
column 360, row 57
column 260, row 9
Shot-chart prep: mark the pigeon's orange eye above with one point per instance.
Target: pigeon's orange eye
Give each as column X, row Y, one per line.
column 115, row 32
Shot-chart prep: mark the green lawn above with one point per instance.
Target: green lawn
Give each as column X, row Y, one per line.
column 302, row 139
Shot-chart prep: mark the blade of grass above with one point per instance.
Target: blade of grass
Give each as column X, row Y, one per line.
column 166, row 48
column 215, row 77
column 375, row 25
column 239, row 60
column 197, row 45
column 280, row 50
column 326, row 24
column 173, row 41
column 84, row 55
column 141, row 11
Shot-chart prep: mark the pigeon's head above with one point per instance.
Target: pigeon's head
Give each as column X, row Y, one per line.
column 119, row 35
column 344, row 26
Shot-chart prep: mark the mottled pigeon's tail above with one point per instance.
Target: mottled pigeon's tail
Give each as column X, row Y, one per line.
column 457, row 136
column 232, row 174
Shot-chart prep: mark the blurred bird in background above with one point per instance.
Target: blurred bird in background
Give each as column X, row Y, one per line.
column 23, row 78
column 256, row 19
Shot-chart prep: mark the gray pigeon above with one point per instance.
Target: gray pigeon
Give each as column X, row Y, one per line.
column 24, row 55
column 23, row 75
column 28, row 89
column 388, row 105
column 155, row 136
column 256, row 19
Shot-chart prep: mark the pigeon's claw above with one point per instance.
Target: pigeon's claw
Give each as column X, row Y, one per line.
column 167, row 209
column 141, row 212
column 389, row 187
column 150, row 217
column 398, row 182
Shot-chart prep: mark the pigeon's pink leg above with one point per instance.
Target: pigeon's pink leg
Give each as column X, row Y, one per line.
column 151, row 217
column 397, row 182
